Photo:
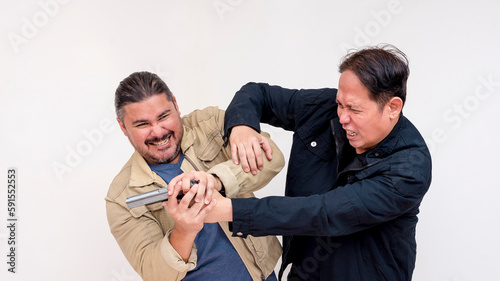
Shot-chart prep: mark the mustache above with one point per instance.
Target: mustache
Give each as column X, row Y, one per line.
column 166, row 135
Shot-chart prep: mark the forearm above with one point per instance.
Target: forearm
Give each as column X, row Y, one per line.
column 341, row 211
column 259, row 102
column 242, row 112
column 285, row 216
column 223, row 211
column 182, row 243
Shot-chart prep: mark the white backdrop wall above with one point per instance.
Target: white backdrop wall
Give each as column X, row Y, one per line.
column 62, row 60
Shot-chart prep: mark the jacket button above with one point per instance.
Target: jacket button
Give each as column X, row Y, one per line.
column 239, row 234
column 377, row 154
column 313, row 144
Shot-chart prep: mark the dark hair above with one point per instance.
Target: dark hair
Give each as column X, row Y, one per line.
column 137, row 87
column 383, row 70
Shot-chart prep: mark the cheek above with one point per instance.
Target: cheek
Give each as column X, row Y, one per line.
column 373, row 129
column 139, row 137
column 366, row 128
column 177, row 126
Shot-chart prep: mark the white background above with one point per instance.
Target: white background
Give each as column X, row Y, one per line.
column 62, row 61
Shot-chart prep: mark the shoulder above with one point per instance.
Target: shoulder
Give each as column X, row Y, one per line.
column 410, row 159
column 316, row 106
column 120, row 182
column 324, row 100
column 202, row 117
column 411, row 135
column 319, row 96
column 203, row 131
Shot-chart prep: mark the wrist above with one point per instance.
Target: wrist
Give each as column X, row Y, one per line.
column 220, row 185
column 227, row 206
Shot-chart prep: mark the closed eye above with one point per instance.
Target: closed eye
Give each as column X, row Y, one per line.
column 339, row 104
column 139, row 125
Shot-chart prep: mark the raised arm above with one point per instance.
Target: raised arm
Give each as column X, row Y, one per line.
column 252, row 104
column 258, row 103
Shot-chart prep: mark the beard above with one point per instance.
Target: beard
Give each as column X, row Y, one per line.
column 169, row 159
column 164, row 159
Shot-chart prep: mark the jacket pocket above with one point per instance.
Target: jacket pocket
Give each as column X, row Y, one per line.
column 261, row 249
column 267, row 251
column 208, row 147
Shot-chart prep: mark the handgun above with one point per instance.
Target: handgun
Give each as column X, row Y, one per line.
column 152, row 197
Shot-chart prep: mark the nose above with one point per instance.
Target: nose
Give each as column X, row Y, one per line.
column 156, row 130
column 344, row 116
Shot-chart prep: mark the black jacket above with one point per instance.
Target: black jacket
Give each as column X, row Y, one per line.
column 355, row 223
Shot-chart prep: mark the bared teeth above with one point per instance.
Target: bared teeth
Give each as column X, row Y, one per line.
column 161, row 142
column 351, row 133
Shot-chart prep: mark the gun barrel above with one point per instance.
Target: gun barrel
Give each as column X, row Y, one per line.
column 148, row 198
column 152, row 197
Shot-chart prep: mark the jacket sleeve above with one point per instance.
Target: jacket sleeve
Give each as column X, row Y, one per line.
column 146, row 248
column 259, row 102
column 341, row 211
column 235, row 180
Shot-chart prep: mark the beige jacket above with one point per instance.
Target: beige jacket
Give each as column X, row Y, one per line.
column 143, row 232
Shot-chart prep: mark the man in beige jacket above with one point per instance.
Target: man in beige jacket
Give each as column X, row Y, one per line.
column 173, row 243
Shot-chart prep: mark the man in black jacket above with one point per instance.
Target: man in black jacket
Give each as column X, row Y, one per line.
column 357, row 173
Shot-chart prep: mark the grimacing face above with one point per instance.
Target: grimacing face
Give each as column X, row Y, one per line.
column 366, row 124
column 154, row 128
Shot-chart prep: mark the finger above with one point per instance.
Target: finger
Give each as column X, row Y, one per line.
column 172, row 184
column 259, row 161
column 202, row 185
column 188, row 197
column 251, row 153
column 234, row 153
column 172, row 204
column 186, row 183
column 211, row 185
column 195, row 208
column 207, row 208
column 264, row 143
column 243, row 158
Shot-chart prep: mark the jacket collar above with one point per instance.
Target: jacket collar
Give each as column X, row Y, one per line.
column 389, row 143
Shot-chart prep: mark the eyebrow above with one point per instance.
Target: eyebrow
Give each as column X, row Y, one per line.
column 339, row 103
column 352, row 106
column 147, row 121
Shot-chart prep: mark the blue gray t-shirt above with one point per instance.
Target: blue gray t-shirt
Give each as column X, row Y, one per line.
column 217, row 258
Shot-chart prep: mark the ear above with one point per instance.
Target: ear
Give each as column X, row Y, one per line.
column 176, row 106
column 122, row 126
column 394, row 106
